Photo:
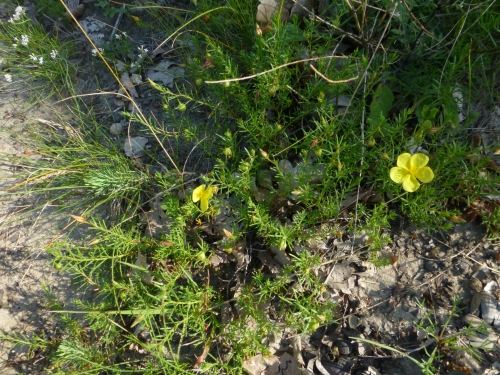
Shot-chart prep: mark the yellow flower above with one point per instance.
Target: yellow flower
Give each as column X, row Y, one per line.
column 203, row 194
column 409, row 169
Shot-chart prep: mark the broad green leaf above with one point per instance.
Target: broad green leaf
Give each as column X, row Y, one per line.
column 381, row 104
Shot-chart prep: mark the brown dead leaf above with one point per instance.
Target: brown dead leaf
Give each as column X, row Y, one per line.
column 267, row 260
column 127, row 83
column 208, row 64
column 156, row 223
column 238, row 251
column 280, row 256
column 494, row 165
column 77, row 11
column 227, row 233
column 142, row 262
column 254, row 365
column 355, row 197
column 457, row 219
column 219, row 258
column 120, row 99
column 265, row 10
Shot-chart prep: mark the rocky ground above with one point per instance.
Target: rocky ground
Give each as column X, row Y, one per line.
column 376, row 303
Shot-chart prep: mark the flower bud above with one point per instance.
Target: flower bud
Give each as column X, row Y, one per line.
column 272, row 90
column 282, row 244
column 181, row 107
column 79, row 219
column 370, row 142
column 258, row 30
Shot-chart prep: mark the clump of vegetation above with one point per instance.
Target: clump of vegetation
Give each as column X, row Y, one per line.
column 305, row 119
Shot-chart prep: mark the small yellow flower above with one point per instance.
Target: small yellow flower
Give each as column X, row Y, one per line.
column 203, row 194
column 409, row 169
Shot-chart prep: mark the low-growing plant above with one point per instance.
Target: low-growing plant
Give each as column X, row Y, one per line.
column 28, row 54
column 303, row 121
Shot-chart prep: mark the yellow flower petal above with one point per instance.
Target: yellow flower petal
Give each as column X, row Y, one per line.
column 398, row 175
column 425, row 174
column 203, row 194
column 198, row 193
column 410, row 184
column 418, row 161
column 404, row 161
column 209, row 192
column 204, row 204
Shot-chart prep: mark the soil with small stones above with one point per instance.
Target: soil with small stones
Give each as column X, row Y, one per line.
column 25, row 267
column 383, row 304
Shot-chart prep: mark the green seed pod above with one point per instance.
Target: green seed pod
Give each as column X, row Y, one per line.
column 272, row 90
column 181, row 107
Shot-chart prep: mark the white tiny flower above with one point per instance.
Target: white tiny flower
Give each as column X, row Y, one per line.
column 132, row 65
column 17, row 14
column 94, row 51
column 24, row 40
column 14, row 45
column 10, row 20
column 15, row 38
column 53, row 54
column 1, row 61
column 8, row 77
column 40, row 60
column 33, row 57
column 124, row 33
column 117, row 36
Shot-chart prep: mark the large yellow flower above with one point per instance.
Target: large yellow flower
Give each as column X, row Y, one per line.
column 409, row 169
column 203, row 194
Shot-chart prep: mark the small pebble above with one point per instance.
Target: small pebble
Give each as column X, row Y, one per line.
column 431, row 266
column 463, row 266
column 116, row 128
column 344, row 347
column 136, row 79
column 475, row 284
